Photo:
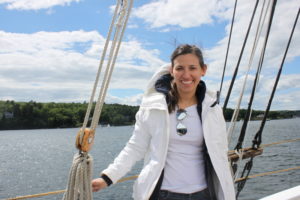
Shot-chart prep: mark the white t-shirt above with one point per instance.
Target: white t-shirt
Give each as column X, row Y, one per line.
column 184, row 170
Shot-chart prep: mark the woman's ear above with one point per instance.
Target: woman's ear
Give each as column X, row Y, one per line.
column 204, row 68
column 171, row 70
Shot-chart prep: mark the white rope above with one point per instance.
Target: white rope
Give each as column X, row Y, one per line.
column 237, row 109
column 238, row 162
column 120, row 28
column 80, row 175
column 88, row 112
column 231, row 128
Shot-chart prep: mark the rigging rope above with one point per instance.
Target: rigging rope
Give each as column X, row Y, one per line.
column 80, row 178
column 110, row 65
column 227, row 50
column 257, row 36
column 267, row 173
column 236, row 164
column 247, row 169
column 257, row 138
column 249, row 164
column 88, row 112
column 120, row 25
column 80, row 175
column 248, row 112
column 240, row 57
column 281, row 142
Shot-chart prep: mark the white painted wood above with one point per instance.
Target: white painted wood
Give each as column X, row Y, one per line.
column 289, row 194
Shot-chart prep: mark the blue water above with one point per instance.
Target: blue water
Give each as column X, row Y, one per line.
column 38, row 161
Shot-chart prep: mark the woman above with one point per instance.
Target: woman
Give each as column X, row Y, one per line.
column 181, row 134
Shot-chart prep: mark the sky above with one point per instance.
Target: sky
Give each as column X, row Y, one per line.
column 50, row 50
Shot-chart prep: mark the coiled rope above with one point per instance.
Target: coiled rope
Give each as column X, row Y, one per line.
column 80, row 178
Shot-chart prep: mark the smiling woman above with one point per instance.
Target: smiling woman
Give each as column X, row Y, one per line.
column 170, row 144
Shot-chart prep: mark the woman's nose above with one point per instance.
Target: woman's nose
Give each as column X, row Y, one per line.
column 186, row 74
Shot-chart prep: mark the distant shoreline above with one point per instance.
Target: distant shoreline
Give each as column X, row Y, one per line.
column 34, row 115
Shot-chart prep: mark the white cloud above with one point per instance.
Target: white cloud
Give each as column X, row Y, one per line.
column 35, row 4
column 112, row 9
column 285, row 95
column 286, row 82
column 134, row 100
column 285, row 14
column 61, row 66
column 188, row 13
column 280, row 32
column 132, row 26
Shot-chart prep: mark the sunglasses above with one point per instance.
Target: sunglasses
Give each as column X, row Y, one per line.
column 181, row 128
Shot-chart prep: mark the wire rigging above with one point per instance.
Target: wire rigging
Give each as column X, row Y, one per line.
column 257, row 36
column 257, row 138
column 248, row 112
column 240, row 57
column 249, row 163
column 228, row 45
column 236, row 164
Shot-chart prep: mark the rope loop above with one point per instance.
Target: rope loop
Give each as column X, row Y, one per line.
column 79, row 186
column 247, row 169
column 255, row 144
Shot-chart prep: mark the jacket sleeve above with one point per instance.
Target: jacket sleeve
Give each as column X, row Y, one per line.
column 228, row 189
column 134, row 150
column 223, row 132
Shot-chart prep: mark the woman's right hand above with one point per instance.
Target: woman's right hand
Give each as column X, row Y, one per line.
column 98, row 184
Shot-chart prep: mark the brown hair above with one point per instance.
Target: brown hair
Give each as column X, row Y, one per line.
column 182, row 50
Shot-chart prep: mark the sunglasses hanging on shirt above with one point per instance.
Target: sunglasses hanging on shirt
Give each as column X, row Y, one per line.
column 181, row 128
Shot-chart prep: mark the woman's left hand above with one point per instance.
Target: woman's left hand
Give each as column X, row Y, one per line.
column 98, row 184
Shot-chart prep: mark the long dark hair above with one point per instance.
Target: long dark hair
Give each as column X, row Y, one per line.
column 183, row 49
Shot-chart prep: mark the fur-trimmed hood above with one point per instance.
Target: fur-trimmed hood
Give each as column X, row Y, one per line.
column 160, row 83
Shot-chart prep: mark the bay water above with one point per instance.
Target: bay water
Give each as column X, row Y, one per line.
column 38, row 161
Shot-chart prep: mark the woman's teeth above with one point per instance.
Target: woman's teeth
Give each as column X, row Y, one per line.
column 187, row 82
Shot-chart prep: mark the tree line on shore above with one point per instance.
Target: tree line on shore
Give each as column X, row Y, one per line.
column 33, row 115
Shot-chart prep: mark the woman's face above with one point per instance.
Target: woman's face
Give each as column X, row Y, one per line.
column 187, row 73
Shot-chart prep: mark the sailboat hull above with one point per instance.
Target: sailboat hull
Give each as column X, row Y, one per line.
column 289, row 194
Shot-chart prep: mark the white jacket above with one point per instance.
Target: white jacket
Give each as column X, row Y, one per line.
column 150, row 141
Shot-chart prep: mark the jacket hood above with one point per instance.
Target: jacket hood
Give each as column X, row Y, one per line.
column 163, row 70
